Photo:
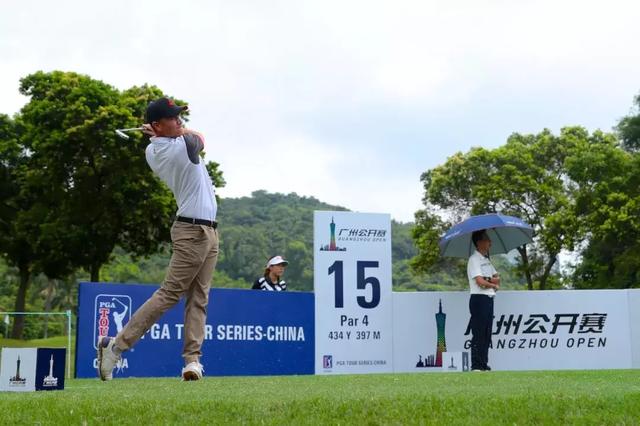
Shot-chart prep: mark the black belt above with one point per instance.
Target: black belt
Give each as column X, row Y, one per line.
column 211, row 223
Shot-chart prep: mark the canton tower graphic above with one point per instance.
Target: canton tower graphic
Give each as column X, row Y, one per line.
column 332, row 244
column 17, row 377
column 432, row 361
column 441, row 345
column 17, row 380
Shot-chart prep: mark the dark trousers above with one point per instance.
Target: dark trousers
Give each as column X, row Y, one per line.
column 481, row 309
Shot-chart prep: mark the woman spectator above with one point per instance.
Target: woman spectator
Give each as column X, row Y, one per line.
column 272, row 278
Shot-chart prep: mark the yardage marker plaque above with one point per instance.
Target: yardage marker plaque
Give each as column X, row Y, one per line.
column 352, row 285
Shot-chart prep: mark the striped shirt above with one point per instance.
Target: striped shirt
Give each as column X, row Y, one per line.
column 264, row 283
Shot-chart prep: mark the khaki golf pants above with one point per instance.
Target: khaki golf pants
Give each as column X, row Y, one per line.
column 195, row 253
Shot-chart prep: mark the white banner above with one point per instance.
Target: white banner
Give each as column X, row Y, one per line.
column 533, row 330
column 18, row 369
column 353, row 302
column 634, row 323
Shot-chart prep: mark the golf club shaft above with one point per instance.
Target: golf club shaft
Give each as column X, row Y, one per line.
column 123, row 135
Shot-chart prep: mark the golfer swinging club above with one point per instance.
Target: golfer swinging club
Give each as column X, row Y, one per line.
column 172, row 154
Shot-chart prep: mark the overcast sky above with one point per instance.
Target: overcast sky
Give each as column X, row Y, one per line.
column 346, row 101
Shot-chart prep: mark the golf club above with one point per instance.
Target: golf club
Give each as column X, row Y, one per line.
column 123, row 135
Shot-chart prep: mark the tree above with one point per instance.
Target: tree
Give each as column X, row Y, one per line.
column 263, row 225
column 300, row 269
column 14, row 242
column 215, row 174
column 104, row 193
column 72, row 191
column 244, row 252
column 608, row 203
column 629, row 128
column 527, row 178
column 426, row 234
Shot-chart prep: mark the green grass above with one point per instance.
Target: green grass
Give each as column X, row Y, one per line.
column 567, row 397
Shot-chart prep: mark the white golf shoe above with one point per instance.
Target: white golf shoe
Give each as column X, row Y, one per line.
column 107, row 359
column 192, row 371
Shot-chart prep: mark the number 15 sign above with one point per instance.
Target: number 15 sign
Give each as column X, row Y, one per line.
column 352, row 285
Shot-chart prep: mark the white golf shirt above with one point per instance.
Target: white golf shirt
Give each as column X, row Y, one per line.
column 480, row 266
column 177, row 163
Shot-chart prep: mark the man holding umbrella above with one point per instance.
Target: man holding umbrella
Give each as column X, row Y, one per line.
column 472, row 239
column 483, row 283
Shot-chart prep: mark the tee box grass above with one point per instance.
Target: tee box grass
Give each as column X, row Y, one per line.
column 516, row 398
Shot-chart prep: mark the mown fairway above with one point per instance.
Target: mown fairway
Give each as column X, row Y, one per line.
column 568, row 397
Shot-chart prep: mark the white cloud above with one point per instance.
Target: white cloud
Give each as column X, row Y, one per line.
column 384, row 76
column 280, row 163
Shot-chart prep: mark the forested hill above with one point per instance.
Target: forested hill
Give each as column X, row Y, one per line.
column 254, row 228
column 258, row 227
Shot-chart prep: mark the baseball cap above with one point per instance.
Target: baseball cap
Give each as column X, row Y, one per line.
column 277, row 260
column 162, row 108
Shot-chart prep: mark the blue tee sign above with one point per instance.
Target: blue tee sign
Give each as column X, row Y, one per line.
column 248, row 332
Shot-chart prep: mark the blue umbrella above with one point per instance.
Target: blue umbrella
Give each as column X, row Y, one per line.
column 506, row 233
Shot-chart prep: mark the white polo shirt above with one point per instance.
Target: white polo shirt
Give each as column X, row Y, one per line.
column 177, row 164
column 479, row 266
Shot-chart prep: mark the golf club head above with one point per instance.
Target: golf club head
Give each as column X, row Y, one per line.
column 122, row 134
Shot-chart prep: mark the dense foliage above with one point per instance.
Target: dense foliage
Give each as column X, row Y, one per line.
column 76, row 203
column 71, row 189
column 578, row 190
column 252, row 229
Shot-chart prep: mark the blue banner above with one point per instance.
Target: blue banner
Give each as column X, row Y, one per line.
column 248, row 332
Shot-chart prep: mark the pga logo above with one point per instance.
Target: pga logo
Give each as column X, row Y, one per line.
column 111, row 313
column 327, row 361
